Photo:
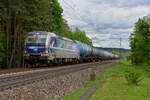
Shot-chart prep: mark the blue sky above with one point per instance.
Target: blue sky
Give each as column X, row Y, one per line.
column 105, row 21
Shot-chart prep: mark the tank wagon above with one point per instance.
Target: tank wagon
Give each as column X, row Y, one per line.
column 45, row 48
column 102, row 54
column 85, row 51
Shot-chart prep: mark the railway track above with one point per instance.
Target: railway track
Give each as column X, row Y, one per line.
column 27, row 78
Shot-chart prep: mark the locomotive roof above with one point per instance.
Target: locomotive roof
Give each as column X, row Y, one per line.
column 64, row 38
column 53, row 34
column 38, row 32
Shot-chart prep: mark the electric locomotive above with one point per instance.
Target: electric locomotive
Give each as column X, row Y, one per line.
column 46, row 47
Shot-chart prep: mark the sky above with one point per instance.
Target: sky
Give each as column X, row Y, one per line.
column 108, row 23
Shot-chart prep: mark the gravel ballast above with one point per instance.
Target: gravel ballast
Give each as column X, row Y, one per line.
column 55, row 88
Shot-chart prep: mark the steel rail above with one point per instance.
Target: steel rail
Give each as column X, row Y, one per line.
column 19, row 80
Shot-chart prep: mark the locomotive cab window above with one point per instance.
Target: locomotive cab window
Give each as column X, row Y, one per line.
column 42, row 40
column 36, row 38
column 30, row 39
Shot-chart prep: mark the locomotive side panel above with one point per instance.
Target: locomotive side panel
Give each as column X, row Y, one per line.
column 63, row 48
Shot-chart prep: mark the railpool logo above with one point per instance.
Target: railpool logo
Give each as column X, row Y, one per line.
column 35, row 48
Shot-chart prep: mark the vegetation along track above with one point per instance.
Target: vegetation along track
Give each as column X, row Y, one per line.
column 19, row 80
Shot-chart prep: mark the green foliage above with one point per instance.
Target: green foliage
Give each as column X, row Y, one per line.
column 81, row 36
column 57, row 14
column 133, row 76
column 147, row 70
column 117, row 53
column 19, row 17
column 140, row 44
column 129, row 56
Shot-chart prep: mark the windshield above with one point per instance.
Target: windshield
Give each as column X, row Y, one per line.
column 36, row 38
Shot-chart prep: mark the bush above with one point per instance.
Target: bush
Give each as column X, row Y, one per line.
column 147, row 70
column 129, row 56
column 133, row 76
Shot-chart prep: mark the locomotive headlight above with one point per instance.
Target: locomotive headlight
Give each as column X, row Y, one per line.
column 46, row 51
column 25, row 52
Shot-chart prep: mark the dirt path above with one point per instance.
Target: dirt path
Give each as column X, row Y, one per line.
column 87, row 95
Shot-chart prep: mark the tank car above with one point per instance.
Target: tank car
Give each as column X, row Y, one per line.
column 85, row 51
column 101, row 54
column 106, row 55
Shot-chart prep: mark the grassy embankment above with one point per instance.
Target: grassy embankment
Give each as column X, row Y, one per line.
column 77, row 94
column 115, row 86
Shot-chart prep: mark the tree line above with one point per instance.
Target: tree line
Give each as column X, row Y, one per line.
column 140, row 42
column 18, row 17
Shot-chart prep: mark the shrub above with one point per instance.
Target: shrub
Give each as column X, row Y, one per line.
column 129, row 56
column 133, row 76
column 147, row 70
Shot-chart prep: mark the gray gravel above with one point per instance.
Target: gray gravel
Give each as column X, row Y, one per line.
column 52, row 89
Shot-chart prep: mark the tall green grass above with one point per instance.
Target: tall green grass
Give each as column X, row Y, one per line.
column 116, row 87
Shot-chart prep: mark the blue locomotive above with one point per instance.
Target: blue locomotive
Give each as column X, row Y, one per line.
column 46, row 47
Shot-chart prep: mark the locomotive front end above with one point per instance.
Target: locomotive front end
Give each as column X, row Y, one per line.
column 36, row 47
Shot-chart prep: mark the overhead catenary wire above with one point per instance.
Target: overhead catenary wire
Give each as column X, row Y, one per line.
column 78, row 15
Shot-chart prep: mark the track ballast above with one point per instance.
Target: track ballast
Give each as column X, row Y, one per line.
column 27, row 78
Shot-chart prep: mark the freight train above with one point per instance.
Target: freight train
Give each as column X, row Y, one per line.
column 46, row 48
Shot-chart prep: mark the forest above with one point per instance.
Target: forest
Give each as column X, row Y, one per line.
column 19, row 17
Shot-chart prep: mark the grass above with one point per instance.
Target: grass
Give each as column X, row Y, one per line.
column 118, row 89
column 115, row 86
column 76, row 95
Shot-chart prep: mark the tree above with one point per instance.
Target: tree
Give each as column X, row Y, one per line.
column 19, row 17
column 140, row 44
column 81, row 36
column 2, row 50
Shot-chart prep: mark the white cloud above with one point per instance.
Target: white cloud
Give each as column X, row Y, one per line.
column 105, row 18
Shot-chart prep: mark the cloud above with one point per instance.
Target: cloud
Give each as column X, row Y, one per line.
column 123, row 3
column 105, row 19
